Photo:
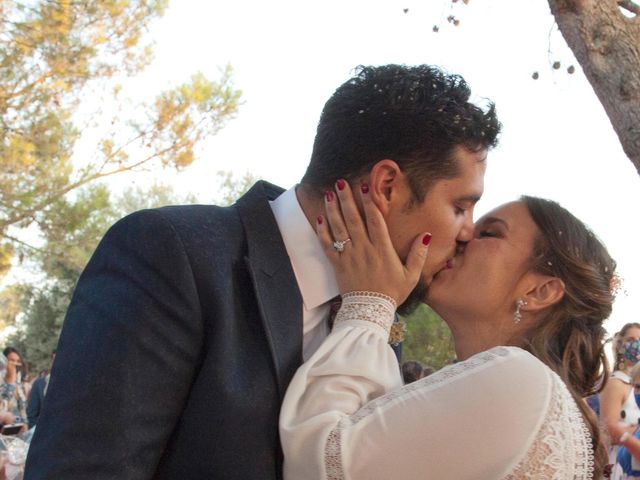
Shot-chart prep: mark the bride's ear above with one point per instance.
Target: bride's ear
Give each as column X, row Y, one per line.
column 385, row 183
column 543, row 293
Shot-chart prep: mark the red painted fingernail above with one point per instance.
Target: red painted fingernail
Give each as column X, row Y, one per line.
column 320, row 219
column 328, row 195
column 340, row 184
column 364, row 188
column 426, row 240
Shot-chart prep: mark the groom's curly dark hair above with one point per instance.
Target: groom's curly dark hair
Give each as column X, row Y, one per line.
column 414, row 115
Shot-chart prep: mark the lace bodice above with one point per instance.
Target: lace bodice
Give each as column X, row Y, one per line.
column 562, row 447
column 501, row 414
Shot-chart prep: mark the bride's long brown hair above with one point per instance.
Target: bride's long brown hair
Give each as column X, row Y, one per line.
column 570, row 339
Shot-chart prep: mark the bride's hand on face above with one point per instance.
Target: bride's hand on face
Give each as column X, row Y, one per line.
column 368, row 261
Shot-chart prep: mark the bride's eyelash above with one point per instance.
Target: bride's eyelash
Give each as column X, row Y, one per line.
column 486, row 233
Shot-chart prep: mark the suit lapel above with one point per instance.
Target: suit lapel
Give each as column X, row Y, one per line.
column 277, row 291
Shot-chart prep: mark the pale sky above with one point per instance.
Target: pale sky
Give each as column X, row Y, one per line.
column 289, row 57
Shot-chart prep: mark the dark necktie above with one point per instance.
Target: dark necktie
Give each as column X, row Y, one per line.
column 334, row 306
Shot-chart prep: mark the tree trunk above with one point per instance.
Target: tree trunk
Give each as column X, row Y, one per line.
column 606, row 43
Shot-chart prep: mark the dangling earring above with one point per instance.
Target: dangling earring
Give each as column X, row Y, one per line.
column 517, row 316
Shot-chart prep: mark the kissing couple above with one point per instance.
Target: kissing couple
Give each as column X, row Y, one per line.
column 198, row 344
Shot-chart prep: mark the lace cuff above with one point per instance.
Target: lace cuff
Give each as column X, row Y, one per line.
column 375, row 308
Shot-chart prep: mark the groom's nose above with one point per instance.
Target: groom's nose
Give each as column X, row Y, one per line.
column 466, row 232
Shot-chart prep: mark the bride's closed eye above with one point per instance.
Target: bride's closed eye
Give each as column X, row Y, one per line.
column 486, row 233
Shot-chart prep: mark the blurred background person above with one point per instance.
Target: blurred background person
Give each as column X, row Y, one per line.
column 38, row 391
column 6, row 418
column 412, row 371
column 12, row 391
column 617, row 395
column 426, row 371
column 628, row 459
column 594, row 403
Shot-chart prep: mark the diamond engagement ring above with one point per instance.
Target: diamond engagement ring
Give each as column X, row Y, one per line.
column 338, row 245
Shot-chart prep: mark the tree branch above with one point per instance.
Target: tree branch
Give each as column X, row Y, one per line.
column 79, row 183
column 24, row 244
column 605, row 42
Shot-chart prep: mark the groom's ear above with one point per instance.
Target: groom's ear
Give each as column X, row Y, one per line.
column 386, row 182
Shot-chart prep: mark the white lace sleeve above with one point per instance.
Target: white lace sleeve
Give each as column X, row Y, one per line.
column 354, row 365
column 501, row 414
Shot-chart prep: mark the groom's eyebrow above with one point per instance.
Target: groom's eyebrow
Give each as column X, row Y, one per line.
column 472, row 199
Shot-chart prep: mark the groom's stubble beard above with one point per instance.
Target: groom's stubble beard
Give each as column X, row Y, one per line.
column 415, row 298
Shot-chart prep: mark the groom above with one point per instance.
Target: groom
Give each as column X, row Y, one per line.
column 189, row 322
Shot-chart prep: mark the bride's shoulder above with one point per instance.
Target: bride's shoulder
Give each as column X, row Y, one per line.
column 511, row 354
column 512, row 358
column 509, row 365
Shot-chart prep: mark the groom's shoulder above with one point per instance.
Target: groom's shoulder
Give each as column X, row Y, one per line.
column 194, row 228
column 183, row 219
column 201, row 221
column 194, row 217
column 254, row 202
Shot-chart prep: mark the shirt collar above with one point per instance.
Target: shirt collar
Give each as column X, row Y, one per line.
column 311, row 267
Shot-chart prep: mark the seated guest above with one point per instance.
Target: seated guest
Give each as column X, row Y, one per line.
column 12, row 392
column 6, row 418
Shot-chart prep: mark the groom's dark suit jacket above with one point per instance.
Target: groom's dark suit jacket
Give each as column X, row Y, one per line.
column 183, row 333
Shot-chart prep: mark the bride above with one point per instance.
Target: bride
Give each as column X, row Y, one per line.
column 525, row 301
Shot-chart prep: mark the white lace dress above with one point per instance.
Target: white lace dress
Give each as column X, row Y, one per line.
column 501, row 414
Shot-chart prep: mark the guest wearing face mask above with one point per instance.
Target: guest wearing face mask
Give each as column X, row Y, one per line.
column 618, row 394
column 628, row 460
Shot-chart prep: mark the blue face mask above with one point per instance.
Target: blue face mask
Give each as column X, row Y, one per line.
column 631, row 351
column 638, row 399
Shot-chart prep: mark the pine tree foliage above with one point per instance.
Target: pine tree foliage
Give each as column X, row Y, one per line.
column 56, row 56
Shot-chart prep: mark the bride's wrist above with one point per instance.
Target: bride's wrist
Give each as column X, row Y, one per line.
column 390, row 301
column 375, row 309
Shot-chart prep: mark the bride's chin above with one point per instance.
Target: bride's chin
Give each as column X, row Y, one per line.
column 440, row 300
column 435, row 287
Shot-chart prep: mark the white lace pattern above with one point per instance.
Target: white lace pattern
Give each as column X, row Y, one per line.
column 561, row 449
column 376, row 309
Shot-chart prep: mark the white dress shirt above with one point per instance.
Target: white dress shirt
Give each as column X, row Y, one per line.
column 314, row 273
